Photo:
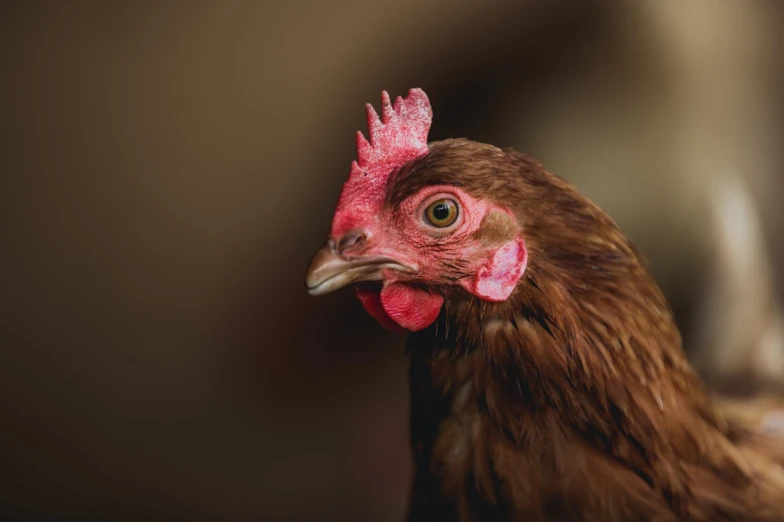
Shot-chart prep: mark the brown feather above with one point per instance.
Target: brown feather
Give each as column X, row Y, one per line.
column 572, row 400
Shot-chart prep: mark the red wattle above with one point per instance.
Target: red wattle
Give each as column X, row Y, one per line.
column 409, row 306
column 371, row 301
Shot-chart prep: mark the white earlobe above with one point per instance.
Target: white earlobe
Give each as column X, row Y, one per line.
column 497, row 279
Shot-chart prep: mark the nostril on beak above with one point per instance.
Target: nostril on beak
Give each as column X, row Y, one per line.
column 351, row 239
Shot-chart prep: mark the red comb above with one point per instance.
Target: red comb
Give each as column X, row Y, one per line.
column 399, row 136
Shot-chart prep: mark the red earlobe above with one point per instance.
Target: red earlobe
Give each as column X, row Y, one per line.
column 497, row 279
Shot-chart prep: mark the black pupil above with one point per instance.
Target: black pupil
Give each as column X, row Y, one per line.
column 441, row 211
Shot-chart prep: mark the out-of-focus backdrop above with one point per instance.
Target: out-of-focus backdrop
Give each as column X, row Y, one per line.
column 169, row 167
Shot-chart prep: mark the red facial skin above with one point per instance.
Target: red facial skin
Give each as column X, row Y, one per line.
column 402, row 233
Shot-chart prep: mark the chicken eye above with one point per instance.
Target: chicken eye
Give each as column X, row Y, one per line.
column 441, row 213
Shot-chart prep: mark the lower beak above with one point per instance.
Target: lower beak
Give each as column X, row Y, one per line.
column 329, row 270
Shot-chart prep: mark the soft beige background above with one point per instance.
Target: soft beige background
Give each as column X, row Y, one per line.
column 169, row 167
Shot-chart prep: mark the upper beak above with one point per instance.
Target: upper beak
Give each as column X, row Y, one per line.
column 330, row 270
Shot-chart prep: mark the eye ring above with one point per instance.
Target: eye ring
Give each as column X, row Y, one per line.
column 441, row 213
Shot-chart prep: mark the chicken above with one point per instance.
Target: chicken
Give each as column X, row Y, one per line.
column 547, row 376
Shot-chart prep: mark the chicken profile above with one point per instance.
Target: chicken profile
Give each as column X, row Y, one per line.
column 547, row 376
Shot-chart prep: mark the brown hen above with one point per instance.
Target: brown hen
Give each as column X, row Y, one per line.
column 548, row 380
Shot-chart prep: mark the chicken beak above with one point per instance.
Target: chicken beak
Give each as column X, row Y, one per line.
column 330, row 270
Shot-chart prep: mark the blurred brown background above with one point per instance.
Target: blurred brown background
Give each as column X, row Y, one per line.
column 169, row 167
